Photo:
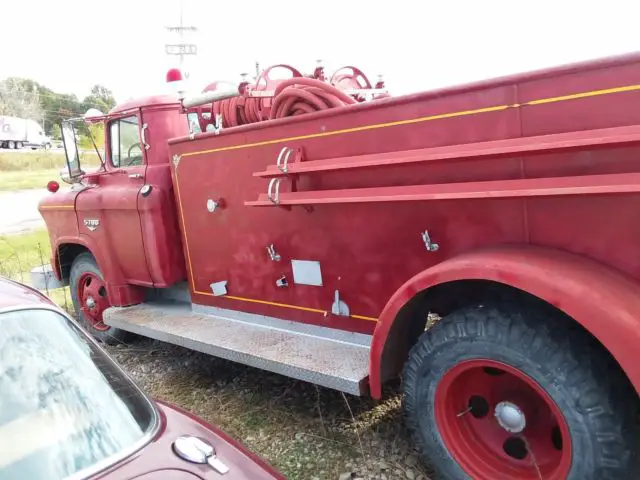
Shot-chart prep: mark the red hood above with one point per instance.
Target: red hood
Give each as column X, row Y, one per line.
column 157, row 459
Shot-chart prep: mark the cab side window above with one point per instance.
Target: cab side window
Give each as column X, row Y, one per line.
column 124, row 142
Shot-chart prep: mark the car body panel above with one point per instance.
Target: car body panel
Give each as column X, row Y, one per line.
column 158, row 454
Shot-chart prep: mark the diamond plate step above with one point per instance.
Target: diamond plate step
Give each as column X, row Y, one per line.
column 329, row 362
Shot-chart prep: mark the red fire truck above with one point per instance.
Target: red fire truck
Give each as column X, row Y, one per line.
column 481, row 241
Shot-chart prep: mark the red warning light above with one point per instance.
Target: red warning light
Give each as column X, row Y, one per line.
column 174, row 75
column 53, row 186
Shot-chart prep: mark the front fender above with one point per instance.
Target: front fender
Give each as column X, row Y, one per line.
column 108, row 269
column 603, row 300
column 120, row 293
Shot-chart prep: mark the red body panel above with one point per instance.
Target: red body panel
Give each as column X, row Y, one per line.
column 367, row 251
column 158, row 217
column 114, row 203
column 58, row 212
column 158, row 455
column 163, row 246
column 13, row 294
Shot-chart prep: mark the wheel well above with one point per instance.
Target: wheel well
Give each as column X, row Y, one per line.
column 426, row 308
column 67, row 253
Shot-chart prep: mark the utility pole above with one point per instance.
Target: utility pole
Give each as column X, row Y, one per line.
column 181, row 48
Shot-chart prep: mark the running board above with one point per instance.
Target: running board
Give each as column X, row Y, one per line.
column 330, row 362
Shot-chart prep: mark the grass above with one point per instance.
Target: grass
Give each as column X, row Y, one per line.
column 306, row 432
column 33, row 160
column 28, row 169
column 20, row 253
column 24, row 180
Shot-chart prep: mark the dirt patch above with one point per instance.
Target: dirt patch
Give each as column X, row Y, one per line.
column 307, row 432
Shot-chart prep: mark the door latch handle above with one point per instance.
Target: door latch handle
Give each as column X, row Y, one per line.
column 144, row 136
column 135, row 175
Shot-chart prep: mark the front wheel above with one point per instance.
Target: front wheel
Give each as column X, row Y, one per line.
column 90, row 299
column 492, row 394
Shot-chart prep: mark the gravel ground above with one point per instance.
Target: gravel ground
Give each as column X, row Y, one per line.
column 305, row 431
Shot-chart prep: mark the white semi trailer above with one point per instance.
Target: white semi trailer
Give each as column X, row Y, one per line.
column 22, row 132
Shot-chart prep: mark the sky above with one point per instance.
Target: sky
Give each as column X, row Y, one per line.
column 70, row 45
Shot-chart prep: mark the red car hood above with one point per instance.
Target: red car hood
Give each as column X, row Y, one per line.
column 158, row 461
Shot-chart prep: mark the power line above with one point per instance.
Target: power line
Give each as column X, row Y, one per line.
column 181, row 49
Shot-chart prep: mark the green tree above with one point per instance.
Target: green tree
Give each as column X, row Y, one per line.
column 55, row 131
column 26, row 98
column 101, row 98
column 20, row 98
column 97, row 132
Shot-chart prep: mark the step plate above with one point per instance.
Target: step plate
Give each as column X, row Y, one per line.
column 330, row 363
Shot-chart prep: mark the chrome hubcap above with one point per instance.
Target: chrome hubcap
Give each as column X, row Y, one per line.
column 91, row 302
column 510, row 417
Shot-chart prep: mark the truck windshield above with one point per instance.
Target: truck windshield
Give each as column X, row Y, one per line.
column 66, row 409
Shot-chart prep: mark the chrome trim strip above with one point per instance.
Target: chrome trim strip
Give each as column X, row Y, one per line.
column 156, row 417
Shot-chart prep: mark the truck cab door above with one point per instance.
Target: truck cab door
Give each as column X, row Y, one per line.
column 113, row 201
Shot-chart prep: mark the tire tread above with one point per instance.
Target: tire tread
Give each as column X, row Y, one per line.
column 604, row 394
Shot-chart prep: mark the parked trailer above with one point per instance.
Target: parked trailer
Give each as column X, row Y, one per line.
column 480, row 240
column 16, row 133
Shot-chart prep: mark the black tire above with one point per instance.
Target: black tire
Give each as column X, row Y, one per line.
column 82, row 264
column 598, row 405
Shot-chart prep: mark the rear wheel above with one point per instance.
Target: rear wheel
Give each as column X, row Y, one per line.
column 492, row 394
column 90, row 299
column 11, row 144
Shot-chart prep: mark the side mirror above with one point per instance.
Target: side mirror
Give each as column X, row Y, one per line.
column 71, row 151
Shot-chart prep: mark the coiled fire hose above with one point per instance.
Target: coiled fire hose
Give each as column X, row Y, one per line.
column 306, row 95
column 293, row 96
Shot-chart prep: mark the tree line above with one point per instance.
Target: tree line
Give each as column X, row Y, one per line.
column 25, row 98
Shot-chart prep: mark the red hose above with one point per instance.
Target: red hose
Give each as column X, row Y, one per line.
column 312, row 82
column 306, row 95
column 294, row 96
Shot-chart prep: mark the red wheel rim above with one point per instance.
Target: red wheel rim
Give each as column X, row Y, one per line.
column 92, row 295
column 497, row 422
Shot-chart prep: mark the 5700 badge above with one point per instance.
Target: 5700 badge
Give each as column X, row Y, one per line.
column 92, row 224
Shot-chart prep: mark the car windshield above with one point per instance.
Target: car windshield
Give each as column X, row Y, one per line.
column 65, row 407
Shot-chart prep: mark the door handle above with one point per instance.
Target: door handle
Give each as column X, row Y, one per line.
column 135, row 175
column 144, row 136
